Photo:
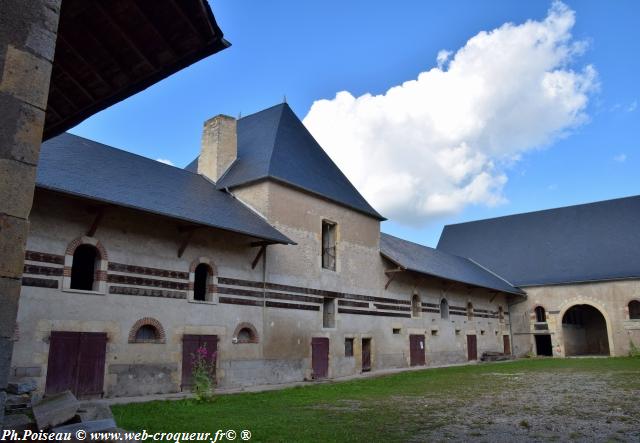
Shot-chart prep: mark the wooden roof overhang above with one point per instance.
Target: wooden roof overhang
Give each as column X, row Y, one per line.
column 107, row 51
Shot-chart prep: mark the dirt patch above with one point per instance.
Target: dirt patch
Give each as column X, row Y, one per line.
column 540, row 407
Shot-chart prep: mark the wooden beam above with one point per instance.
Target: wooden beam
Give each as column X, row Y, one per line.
column 185, row 242
column 95, row 71
column 106, row 12
column 261, row 252
column 96, row 221
column 152, row 25
column 187, row 20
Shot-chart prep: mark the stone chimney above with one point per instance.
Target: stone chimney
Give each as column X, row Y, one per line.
column 219, row 147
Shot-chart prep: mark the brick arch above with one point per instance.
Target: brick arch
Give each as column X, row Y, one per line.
column 101, row 269
column 205, row 260
column 211, row 287
column 71, row 248
column 147, row 321
column 254, row 333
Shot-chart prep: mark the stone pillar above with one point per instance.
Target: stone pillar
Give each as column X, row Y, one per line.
column 28, row 32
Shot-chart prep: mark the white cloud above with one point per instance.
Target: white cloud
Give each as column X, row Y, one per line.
column 633, row 106
column 431, row 146
column 165, row 161
column 620, row 158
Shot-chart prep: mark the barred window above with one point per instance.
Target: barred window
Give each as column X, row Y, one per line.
column 329, row 245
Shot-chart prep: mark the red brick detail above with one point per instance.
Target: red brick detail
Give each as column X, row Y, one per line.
column 253, row 334
column 67, row 271
column 212, row 267
column 147, row 321
column 78, row 241
column 190, row 286
column 101, row 275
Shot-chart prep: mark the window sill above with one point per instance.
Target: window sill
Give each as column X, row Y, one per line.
column 83, row 291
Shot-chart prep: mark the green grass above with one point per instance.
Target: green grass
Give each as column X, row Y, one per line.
column 390, row 408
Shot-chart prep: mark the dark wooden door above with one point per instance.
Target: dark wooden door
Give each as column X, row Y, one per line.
column 472, row 347
column 366, row 354
column 320, row 357
column 76, row 362
column 416, row 350
column 507, row 344
column 190, row 344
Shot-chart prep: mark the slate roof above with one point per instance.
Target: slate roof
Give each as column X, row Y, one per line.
column 274, row 144
column 77, row 166
column 590, row 242
column 429, row 261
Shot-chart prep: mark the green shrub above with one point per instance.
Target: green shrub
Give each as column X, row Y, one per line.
column 204, row 374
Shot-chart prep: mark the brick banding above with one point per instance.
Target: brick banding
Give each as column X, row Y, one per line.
column 140, row 281
column 308, row 291
column 145, row 292
column 40, row 282
column 435, row 311
column 44, row 257
column 392, row 307
column 375, row 313
column 275, row 304
column 240, row 301
column 42, row 270
column 354, row 304
column 155, row 272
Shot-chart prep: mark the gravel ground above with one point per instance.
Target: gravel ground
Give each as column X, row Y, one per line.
column 541, row 406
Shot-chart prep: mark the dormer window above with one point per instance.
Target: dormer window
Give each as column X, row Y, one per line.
column 329, row 245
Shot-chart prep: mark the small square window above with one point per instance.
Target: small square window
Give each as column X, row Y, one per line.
column 396, row 330
column 348, row 347
column 457, row 331
column 434, row 332
column 482, row 332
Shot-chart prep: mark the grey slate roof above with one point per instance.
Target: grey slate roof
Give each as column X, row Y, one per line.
column 77, row 166
column 429, row 261
column 589, row 242
column 274, row 143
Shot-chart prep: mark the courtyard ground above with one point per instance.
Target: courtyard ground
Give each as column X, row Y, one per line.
column 579, row 399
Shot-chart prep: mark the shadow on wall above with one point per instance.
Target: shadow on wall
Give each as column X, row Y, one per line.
column 585, row 331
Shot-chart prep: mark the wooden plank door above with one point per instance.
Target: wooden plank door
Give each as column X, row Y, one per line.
column 507, row 344
column 366, row 354
column 91, row 360
column 190, row 344
column 76, row 362
column 320, row 357
column 472, row 347
column 63, row 360
column 416, row 350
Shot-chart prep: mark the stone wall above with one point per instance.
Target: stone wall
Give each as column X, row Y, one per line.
column 27, row 45
column 282, row 298
column 611, row 299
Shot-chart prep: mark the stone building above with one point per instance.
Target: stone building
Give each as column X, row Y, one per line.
column 580, row 268
column 261, row 250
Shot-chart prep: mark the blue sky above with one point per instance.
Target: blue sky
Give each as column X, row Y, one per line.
column 311, row 51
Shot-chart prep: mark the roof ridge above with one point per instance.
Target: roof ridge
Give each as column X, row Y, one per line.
column 538, row 211
column 278, row 128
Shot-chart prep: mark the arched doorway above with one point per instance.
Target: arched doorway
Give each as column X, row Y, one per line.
column 585, row 331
